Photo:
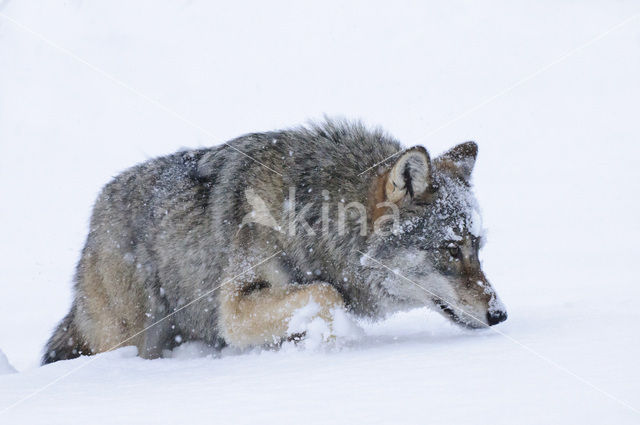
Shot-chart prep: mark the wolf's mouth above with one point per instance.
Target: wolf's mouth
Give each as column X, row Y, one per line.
column 454, row 317
column 451, row 314
column 447, row 310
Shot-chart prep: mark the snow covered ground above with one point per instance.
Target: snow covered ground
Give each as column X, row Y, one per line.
column 114, row 83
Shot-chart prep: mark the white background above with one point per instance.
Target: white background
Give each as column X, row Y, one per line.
column 557, row 178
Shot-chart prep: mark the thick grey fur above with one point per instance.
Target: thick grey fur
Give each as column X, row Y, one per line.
column 164, row 232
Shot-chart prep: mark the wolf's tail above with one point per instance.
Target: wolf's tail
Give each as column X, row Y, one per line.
column 66, row 341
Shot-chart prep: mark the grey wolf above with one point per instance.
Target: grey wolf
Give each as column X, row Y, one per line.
column 173, row 228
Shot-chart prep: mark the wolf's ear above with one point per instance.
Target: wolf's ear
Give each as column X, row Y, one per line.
column 459, row 159
column 410, row 175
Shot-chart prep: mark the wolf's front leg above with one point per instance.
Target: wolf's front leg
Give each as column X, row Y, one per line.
column 257, row 314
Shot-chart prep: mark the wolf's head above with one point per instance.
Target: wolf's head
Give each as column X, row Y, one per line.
column 432, row 256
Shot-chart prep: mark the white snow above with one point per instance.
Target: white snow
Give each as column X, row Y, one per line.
column 556, row 178
column 5, row 366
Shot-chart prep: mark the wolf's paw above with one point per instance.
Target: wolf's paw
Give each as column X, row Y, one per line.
column 311, row 329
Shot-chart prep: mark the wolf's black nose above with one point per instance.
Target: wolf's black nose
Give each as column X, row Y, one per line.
column 495, row 317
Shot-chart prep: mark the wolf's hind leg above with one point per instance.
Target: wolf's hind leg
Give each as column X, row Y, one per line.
column 262, row 316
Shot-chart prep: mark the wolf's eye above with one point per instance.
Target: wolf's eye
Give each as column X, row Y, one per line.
column 454, row 250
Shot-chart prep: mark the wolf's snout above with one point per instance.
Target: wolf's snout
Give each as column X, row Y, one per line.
column 495, row 317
